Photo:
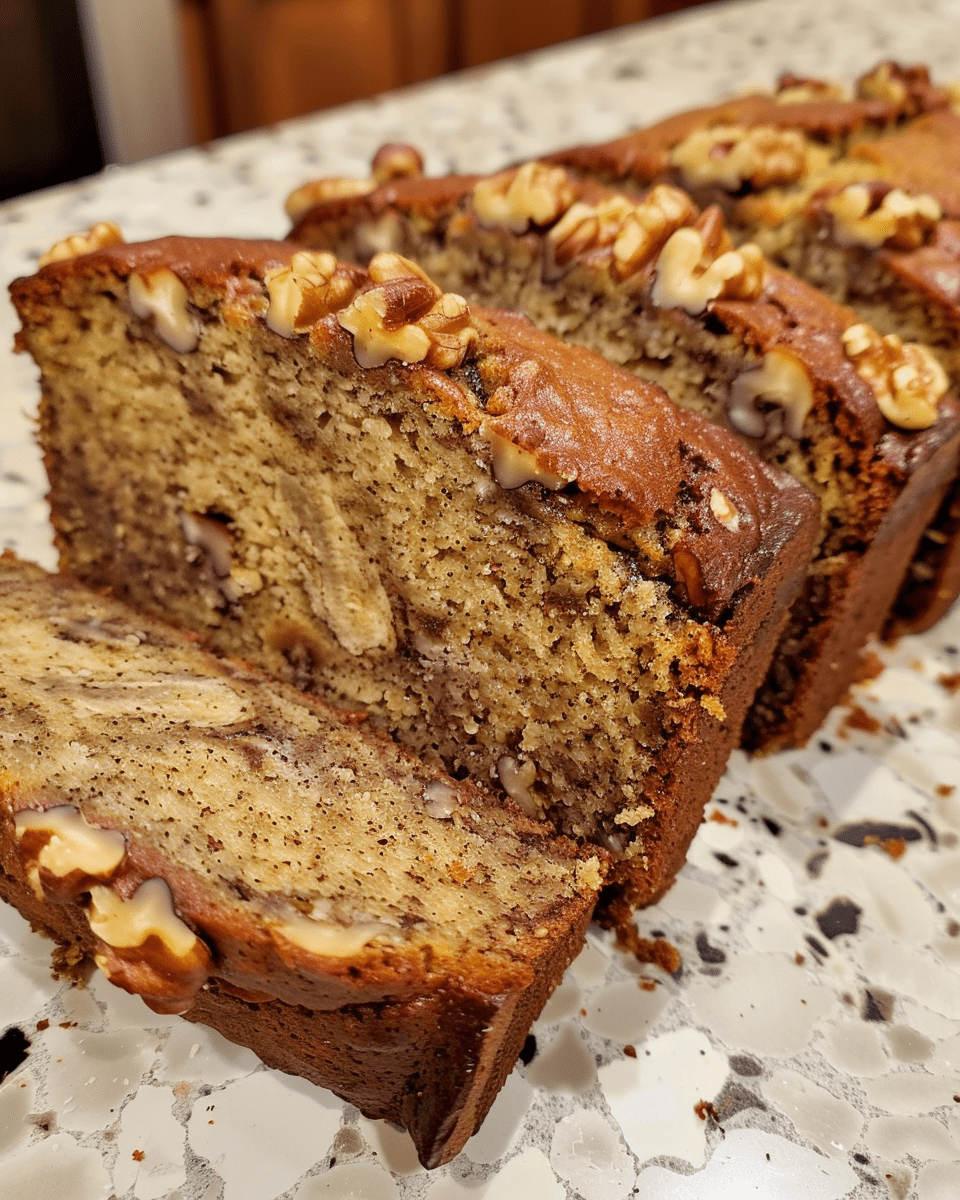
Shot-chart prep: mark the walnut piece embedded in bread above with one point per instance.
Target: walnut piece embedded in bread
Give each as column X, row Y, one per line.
column 242, row 854
column 469, row 535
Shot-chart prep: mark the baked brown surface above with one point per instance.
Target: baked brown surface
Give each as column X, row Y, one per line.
column 598, row 267
column 316, row 893
column 586, row 634
column 858, row 195
column 823, row 116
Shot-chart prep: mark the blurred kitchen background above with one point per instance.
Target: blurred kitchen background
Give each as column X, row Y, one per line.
column 84, row 83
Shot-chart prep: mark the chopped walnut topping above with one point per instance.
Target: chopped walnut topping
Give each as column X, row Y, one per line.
column 338, row 187
column 407, row 317
column 387, row 266
column 518, row 779
column 731, row 155
column 908, row 88
column 533, row 194
column 313, row 286
column 906, row 378
column 160, row 295
column 104, row 233
column 883, row 83
column 771, row 399
column 396, row 161
column 861, row 217
column 688, row 277
column 794, row 89
column 635, row 231
column 584, row 227
column 647, row 227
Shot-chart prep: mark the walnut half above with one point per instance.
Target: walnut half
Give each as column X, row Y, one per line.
column 907, row 88
column 635, row 231
column 406, row 317
column 313, row 286
column 98, row 236
column 905, row 377
column 865, row 215
column 582, row 228
column 689, row 276
column 797, row 89
column 396, row 160
column 533, row 194
column 318, row 191
column 731, row 155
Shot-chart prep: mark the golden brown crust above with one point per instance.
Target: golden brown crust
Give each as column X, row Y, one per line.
column 784, row 319
column 464, row 997
column 644, row 156
column 634, row 454
column 922, row 157
column 624, row 443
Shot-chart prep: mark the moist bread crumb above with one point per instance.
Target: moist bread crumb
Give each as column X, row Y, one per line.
column 658, row 287
column 869, row 212
column 516, row 563
column 240, row 853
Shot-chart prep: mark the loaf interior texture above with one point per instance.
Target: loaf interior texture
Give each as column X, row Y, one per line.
column 585, row 634
column 231, row 849
column 859, row 195
column 758, row 351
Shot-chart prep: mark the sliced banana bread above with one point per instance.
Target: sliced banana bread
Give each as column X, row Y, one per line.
column 860, row 196
column 235, row 851
column 530, row 565
column 656, row 286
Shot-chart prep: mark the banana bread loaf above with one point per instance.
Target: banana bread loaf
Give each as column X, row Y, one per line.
column 656, row 286
column 235, row 851
column 860, row 196
column 530, row 565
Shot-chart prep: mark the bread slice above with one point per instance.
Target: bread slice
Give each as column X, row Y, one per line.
column 858, row 195
column 235, row 851
column 656, row 286
column 528, row 564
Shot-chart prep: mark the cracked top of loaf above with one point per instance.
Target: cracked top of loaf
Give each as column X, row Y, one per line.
column 768, row 309
column 687, row 496
column 883, row 97
column 791, row 153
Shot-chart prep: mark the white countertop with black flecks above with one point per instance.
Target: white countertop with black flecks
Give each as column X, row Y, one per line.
column 817, row 1011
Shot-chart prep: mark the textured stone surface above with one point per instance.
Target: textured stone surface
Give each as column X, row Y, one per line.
column 878, row 1038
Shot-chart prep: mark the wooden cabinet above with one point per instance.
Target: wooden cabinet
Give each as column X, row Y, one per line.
column 252, row 62
column 492, row 29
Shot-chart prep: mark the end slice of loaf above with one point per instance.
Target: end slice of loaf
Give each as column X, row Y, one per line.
column 656, row 286
column 531, row 566
column 233, row 850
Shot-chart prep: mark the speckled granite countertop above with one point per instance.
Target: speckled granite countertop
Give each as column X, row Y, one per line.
column 818, row 1007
